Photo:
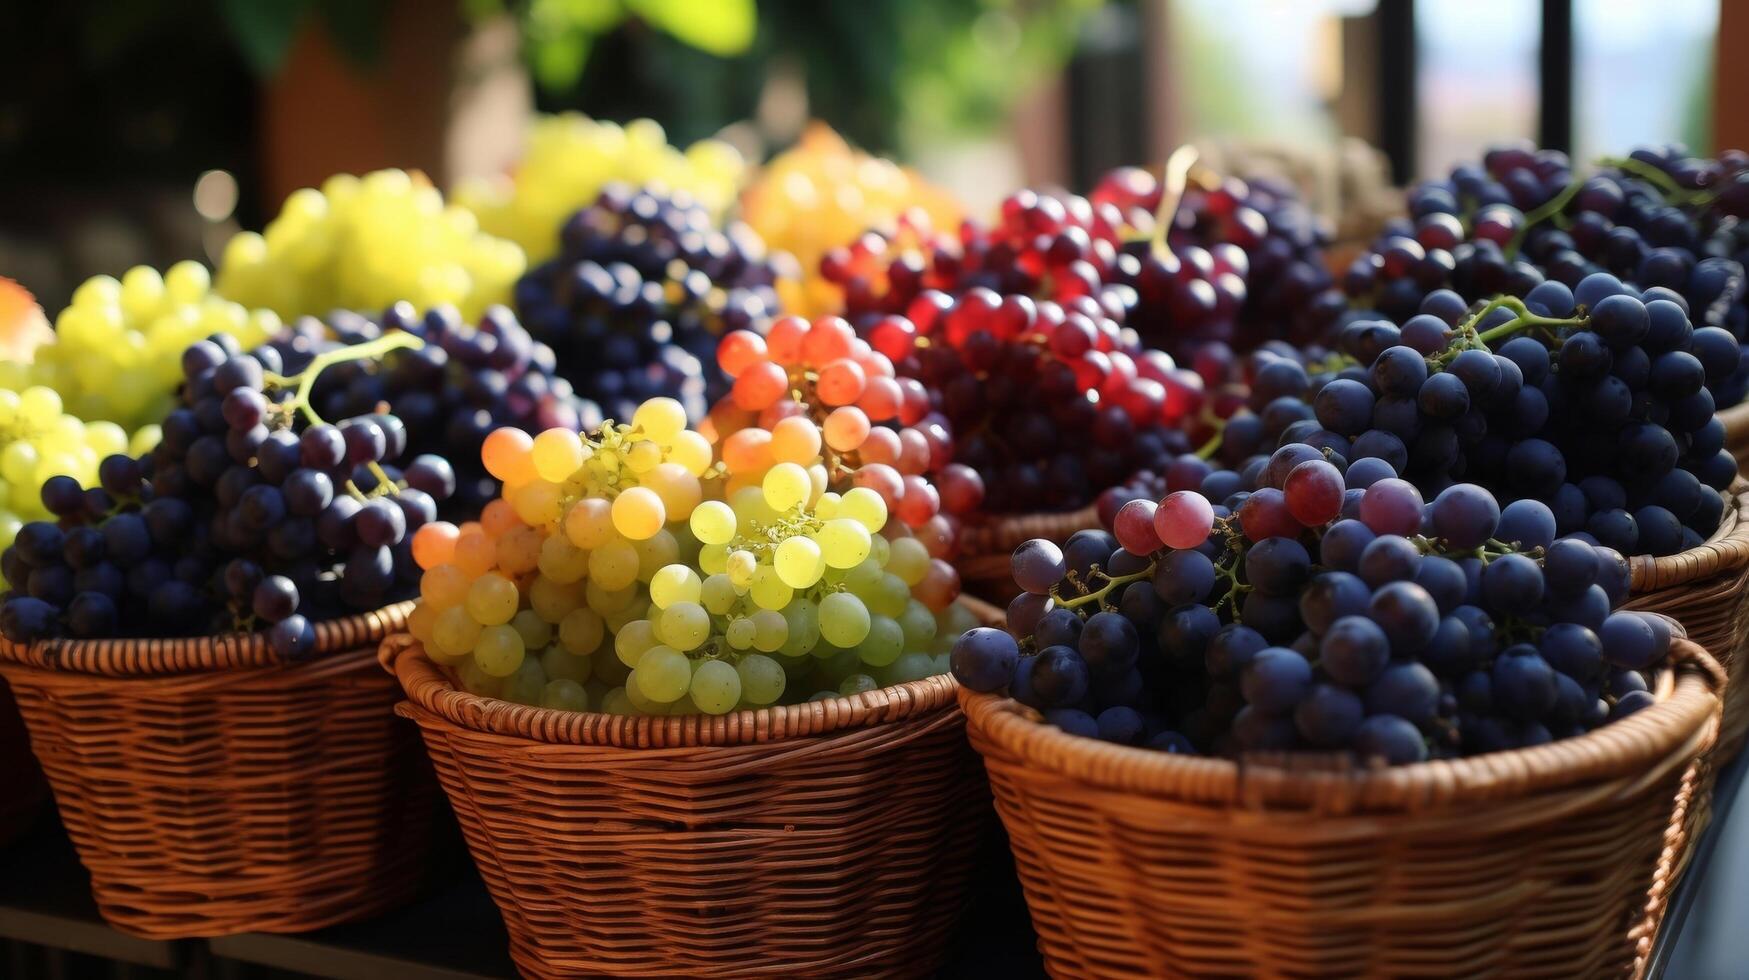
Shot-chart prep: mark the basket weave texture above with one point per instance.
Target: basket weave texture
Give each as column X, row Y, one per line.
column 986, row 545
column 1736, row 421
column 829, row 838
column 211, row 789
column 1706, row 589
column 1534, row 862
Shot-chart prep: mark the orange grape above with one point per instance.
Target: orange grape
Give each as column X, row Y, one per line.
column 434, row 544
column 508, row 455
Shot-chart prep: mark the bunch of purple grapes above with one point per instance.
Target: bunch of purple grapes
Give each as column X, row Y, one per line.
column 1363, row 622
column 1656, row 218
column 642, row 289
column 248, row 515
column 450, row 393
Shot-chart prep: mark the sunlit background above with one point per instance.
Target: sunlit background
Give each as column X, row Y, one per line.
column 147, row 133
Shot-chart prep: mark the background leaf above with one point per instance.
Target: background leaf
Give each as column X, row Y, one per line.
column 264, row 29
column 720, row 27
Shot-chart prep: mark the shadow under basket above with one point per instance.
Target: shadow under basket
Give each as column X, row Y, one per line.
column 1532, row 862
column 211, row 788
column 833, row 837
column 22, row 790
column 986, row 547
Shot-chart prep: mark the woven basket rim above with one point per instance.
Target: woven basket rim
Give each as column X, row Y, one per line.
column 983, row 535
column 430, row 693
column 1727, row 549
column 1681, row 725
column 156, row 656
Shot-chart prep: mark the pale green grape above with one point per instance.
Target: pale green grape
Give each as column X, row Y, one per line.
column 684, row 626
column 786, row 486
column 844, row 543
column 655, row 553
column 455, row 632
column 581, row 631
column 844, row 620
column 883, row 644
column 889, row 597
column 613, row 566
column 741, row 567
column 525, row 686
column 857, row 684
column 634, row 640
column 717, row 595
column 562, row 665
column 798, row 562
column 769, row 591
column 674, row 584
column 864, row 579
column 739, row 633
column 663, row 674
column 912, row 667
column 918, row 624
column 499, row 650
column 564, row 695
column 536, row 632
column 617, row 702
column 762, row 679
column 713, row 522
column 770, row 630
column 562, row 561
column 908, row 559
column 716, row 687
column 864, row 506
column 477, row 681
column 802, row 622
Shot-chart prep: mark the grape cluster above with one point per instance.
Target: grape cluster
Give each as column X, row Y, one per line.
column 462, row 383
column 1593, row 400
column 364, row 243
column 116, row 352
column 643, row 287
column 1235, row 263
column 818, row 197
column 571, row 157
column 250, row 512
column 625, row 570
column 1343, row 615
column 878, row 430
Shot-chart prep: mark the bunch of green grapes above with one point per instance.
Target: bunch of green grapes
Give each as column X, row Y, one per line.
column 571, row 158
column 524, row 603
column 38, row 439
column 117, row 351
column 365, row 243
column 796, row 595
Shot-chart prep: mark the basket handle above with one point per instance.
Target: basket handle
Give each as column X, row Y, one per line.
column 392, row 647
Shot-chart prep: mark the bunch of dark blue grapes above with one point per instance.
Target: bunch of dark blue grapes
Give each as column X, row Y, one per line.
column 1393, row 631
column 1593, row 400
column 464, row 382
column 1656, row 218
column 246, row 516
column 641, row 290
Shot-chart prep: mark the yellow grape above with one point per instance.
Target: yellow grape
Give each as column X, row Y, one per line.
column 499, row 650
column 716, row 593
column 536, row 632
column 741, row 567
column 563, row 665
column 564, row 694
column 606, row 601
column 589, row 523
column 557, row 454
column 659, row 550
column 844, row 620
column 864, row 505
column 769, row 590
column 562, row 561
column 739, row 633
column 643, row 456
column 519, row 550
column 444, row 586
column 674, row 583
column 632, row 642
column 638, row 513
column 713, row 559
column 713, row 522
column 691, row 451
column 684, row 626
column 570, row 158
column 363, row 243
column 844, row 543
column 762, row 679
column 679, row 490
column 553, row 601
column 455, row 632
column 581, row 631
column 660, row 419
column 613, row 566
column 795, row 440
column 786, row 486
column 798, row 562
column 770, row 630
column 827, row 505
column 492, row 600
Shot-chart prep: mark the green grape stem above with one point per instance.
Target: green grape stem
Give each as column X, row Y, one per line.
column 1673, row 192
column 1550, row 208
column 1470, row 337
column 1098, row 595
column 305, row 380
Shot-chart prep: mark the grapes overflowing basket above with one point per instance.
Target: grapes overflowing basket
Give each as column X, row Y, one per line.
column 1525, row 861
column 831, row 837
column 212, row 787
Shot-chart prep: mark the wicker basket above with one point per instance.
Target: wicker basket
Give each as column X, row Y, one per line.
column 24, row 790
column 829, row 838
column 1531, row 862
column 211, row 789
column 986, row 546
column 1706, row 589
column 1736, row 421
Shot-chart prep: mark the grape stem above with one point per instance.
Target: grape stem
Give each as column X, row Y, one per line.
column 1549, row 209
column 1672, row 191
column 1469, row 337
column 1172, row 185
column 306, row 379
column 1098, row 595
